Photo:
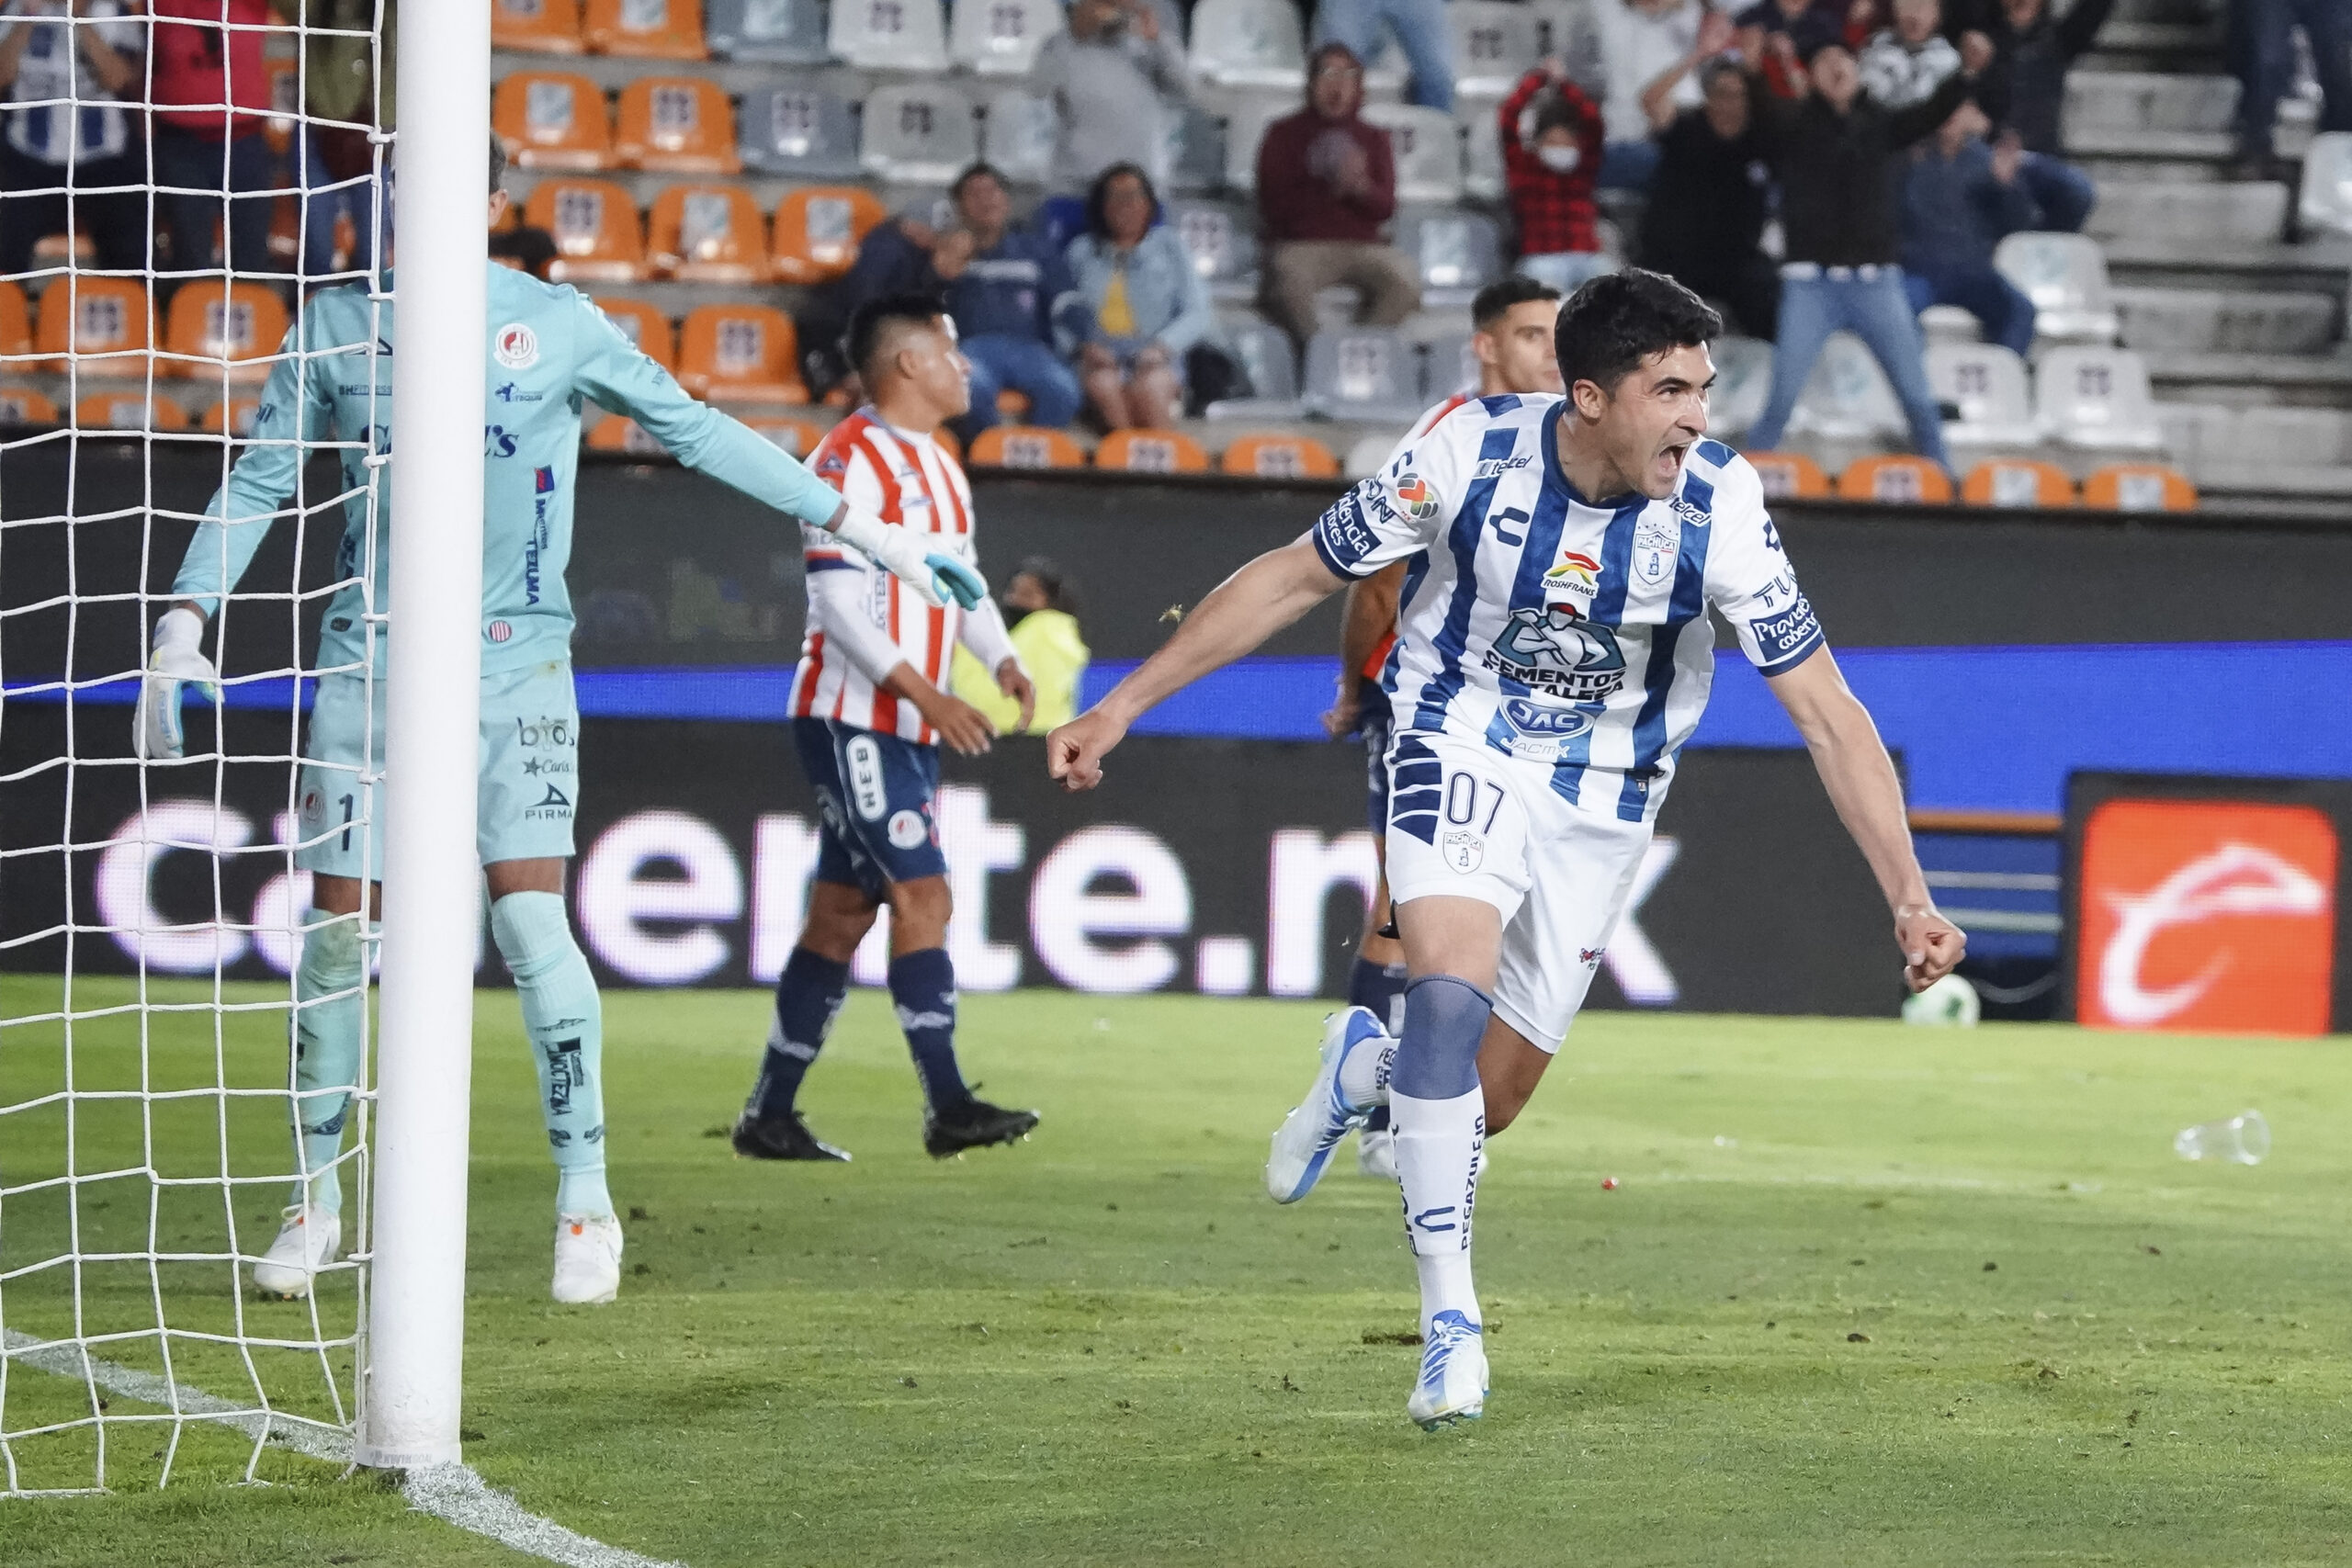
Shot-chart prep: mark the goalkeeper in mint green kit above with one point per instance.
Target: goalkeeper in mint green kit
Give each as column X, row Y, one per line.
column 549, row 348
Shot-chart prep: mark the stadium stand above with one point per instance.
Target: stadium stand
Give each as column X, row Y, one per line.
column 645, row 326
column 2139, row 487
column 2325, row 200
column 598, row 238
column 796, row 436
column 107, row 323
column 2096, row 399
column 1896, row 478
column 16, row 322
column 1429, row 152
column 1151, row 452
column 1025, row 447
column 236, row 416
column 1018, row 131
column 818, row 231
column 1987, row 385
column 798, row 133
column 1743, row 383
column 2018, row 481
column 1223, row 244
column 1001, row 38
column 889, row 35
column 1846, row 397
column 1789, row 474
column 777, row 32
column 212, row 324
column 553, row 119
column 741, row 352
column 707, row 233
column 1364, row 373
column 1249, row 43
column 917, row 133
column 1495, row 44
column 1457, row 252
column 677, row 124
column 23, row 405
column 540, row 27
column 129, row 411
column 644, row 29
column 1264, row 354
column 1279, row 455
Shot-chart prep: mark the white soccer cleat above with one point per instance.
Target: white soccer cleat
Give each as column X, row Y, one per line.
column 587, row 1259
column 1377, row 1153
column 307, row 1242
column 1303, row 1144
column 1453, row 1374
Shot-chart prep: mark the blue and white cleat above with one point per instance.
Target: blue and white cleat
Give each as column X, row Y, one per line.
column 1303, row 1144
column 1453, row 1374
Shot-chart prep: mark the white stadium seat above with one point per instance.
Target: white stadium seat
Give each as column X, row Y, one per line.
column 1743, row 384
column 1847, row 398
column 890, row 35
column 2326, row 199
column 1195, row 151
column 1449, row 365
column 1495, row 43
column 1245, row 126
column 1222, row 241
column 2096, row 399
column 1264, row 352
column 1363, row 373
column 1429, row 152
column 1018, row 134
column 1456, row 254
column 1001, row 37
column 1249, row 43
column 2065, row 277
column 917, row 134
column 1949, row 323
column 792, row 130
column 1482, row 163
column 1987, row 383
column 785, row 32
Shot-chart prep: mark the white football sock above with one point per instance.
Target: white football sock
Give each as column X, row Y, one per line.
column 1440, row 1145
column 1363, row 1077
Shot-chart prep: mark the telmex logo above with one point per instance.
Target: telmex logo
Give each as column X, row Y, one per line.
column 2208, row 915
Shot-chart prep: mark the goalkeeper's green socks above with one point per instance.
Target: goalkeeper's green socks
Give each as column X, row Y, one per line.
column 566, row 1022
column 331, row 1004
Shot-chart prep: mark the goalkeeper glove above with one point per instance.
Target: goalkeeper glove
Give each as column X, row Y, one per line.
column 178, row 656
column 899, row 551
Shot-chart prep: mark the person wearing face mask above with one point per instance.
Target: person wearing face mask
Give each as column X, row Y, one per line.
column 1550, row 169
column 1041, row 611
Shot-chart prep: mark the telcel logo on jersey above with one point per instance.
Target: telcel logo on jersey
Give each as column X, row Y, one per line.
column 2206, row 915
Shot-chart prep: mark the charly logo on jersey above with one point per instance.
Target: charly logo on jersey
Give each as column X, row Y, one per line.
column 516, row 346
column 1552, row 648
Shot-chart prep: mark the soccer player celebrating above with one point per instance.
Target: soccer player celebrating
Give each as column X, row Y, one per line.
column 1554, row 653
column 1512, row 323
column 870, row 711
column 546, row 348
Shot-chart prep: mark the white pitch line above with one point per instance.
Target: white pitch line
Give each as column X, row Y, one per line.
column 452, row 1493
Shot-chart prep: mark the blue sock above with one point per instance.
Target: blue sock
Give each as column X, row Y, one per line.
column 809, row 997
column 923, row 987
column 565, row 1020
column 1379, row 989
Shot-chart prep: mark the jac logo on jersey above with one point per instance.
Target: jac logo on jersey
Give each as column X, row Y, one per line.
column 1536, row 719
column 1417, row 497
column 2206, row 915
column 1552, row 648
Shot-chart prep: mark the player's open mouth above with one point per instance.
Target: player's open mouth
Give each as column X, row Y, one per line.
column 1671, row 457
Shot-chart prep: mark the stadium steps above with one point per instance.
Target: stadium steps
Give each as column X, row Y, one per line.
column 2203, row 321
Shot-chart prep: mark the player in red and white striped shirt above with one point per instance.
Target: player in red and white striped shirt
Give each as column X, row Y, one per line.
column 870, row 710
column 1511, row 334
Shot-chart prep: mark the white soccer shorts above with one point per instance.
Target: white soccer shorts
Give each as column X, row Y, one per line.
column 1469, row 822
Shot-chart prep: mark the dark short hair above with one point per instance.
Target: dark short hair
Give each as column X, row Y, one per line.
column 1060, row 592
column 973, row 172
column 1098, row 197
column 497, row 163
column 1614, row 323
column 870, row 324
column 1721, row 67
column 1495, row 299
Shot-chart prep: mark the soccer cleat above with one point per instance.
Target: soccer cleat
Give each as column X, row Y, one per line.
column 307, row 1242
column 1453, row 1374
column 1377, row 1153
column 587, row 1259
column 1303, row 1144
column 781, row 1137
column 971, row 1125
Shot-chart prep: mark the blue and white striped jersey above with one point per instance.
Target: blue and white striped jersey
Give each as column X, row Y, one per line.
column 1567, row 633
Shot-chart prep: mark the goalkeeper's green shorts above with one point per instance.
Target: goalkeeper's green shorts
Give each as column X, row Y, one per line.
column 527, row 784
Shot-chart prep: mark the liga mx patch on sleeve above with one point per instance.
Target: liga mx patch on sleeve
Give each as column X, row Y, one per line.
column 543, row 480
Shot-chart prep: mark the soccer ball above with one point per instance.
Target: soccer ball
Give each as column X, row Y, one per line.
column 1950, row 1001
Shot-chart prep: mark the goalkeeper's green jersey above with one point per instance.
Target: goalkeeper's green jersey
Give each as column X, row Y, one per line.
column 547, row 349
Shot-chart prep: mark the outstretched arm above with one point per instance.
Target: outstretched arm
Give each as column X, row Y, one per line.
column 1859, row 776
column 1244, row 611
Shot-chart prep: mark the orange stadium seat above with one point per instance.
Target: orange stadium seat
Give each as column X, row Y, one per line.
column 747, row 352
column 818, row 231
column 2139, row 487
column 127, row 411
column 16, row 322
column 645, row 30
column 553, row 119
column 1787, row 475
column 798, row 438
column 545, row 27
column 616, row 432
column 211, row 321
column 231, row 416
column 1274, row 456
column 22, row 405
column 679, row 123
column 105, row 321
column 1901, row 480
column 597, row 236
column 2016, row 481
column 1025, row 447
column 1151, row 452
column 646, row 327
column 708, row 234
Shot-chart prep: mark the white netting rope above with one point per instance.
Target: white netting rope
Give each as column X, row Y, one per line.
column 151, row 913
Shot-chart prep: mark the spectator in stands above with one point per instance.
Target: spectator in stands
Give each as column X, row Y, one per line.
column 1041, row 614
column 1835, row 151
column 1807, row 24
column 47, row 145
column 1960, row 198
column 1419, row 29
column 335, row 163
column 2023, row 89
column 1115, row 77
column 1705, row 225
column 1326, row 181
column 1003, row 286
column 2262, row 49
column 1550, row 171
column 1641, row 41
column 1148, row 306
column 1903, row 63
column 206, row 54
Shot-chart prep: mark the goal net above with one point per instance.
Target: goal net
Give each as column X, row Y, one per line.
column 180, row 175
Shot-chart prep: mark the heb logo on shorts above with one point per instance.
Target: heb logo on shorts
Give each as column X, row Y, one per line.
column 2206, row 915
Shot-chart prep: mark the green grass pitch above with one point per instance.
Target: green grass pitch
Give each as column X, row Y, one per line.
column 1865, row 1295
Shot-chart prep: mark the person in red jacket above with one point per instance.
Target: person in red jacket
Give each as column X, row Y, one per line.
column 212, row 163
column 1327, row 182
column 1551, row 146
